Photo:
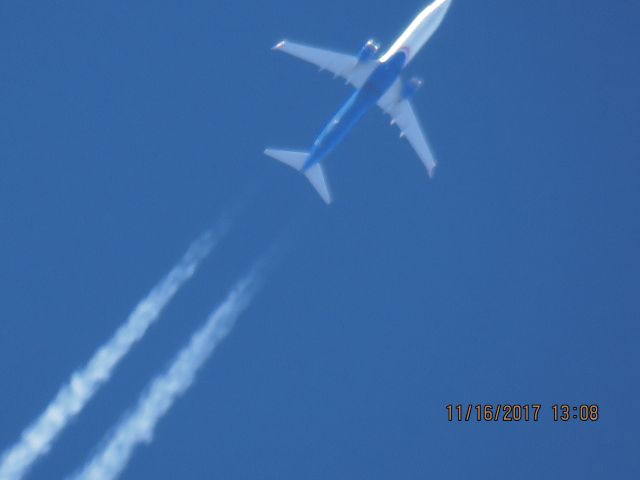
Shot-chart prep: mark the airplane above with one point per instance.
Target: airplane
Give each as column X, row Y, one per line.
column 378, row 80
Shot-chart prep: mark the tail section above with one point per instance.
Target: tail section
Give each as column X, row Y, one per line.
column 315, row 173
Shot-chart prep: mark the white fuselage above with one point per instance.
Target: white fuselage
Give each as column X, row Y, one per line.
column 419, row 31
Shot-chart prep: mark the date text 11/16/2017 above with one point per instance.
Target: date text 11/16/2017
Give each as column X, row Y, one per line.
column 521, row 412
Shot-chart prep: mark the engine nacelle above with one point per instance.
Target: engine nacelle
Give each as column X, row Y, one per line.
column 410, row 87
column 369, row 51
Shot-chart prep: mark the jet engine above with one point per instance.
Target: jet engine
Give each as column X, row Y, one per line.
column 369, row 51
column 410, row 87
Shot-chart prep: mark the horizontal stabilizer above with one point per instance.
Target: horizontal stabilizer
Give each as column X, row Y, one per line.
column 297, row 160
column 293, row 159
column 316, row 176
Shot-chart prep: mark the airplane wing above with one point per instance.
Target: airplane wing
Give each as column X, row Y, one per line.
column 340, row 64
column 402, row 114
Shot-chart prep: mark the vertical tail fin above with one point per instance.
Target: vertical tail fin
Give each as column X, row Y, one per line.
column 315, row 173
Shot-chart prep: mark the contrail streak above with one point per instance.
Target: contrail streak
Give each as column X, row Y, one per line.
column 36, row 440
column 137, row 427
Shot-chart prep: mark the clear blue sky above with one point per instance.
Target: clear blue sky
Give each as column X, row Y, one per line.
column 127, row 127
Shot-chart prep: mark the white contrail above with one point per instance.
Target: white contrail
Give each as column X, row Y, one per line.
column 37, row 439
column 137, row 427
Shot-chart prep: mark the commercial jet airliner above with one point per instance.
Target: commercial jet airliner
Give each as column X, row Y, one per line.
column 377, row 80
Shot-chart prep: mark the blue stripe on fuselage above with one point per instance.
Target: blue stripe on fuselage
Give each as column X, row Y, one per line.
column 355, row 107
